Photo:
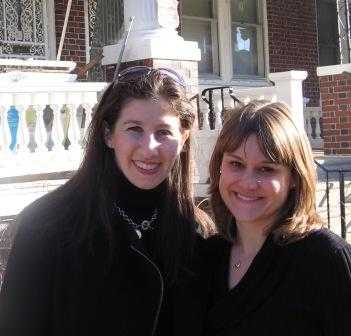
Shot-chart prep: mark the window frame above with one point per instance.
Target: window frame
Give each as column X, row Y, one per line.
column 214, row 44
column 259, row 40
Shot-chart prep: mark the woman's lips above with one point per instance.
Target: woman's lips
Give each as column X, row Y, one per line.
column 247, row 198
column 146, row 167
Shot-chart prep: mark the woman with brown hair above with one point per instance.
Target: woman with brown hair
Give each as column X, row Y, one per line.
column 277, row 271
column 115, row 249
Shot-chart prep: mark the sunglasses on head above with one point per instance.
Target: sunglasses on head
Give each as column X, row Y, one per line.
column 134, row 73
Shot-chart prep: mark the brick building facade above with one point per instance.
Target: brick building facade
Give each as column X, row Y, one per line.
column 293, row 42
column 335, row 89
column 74, row 46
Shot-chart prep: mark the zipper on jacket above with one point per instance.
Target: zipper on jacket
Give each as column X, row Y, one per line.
column 162, row 286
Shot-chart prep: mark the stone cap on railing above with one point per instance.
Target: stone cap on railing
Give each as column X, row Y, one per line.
column 15, row 70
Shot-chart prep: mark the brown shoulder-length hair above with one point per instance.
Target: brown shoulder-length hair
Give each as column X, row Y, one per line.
column 283, row 142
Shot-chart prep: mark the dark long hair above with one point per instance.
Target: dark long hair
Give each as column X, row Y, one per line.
column 90, row 188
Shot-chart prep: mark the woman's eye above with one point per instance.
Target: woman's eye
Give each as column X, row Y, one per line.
column 164, row 132
column 266, row 170
column 135, row 129
column 236, row 164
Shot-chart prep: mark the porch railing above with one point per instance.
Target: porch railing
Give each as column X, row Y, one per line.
column 44, row 122
column 341, row 177
column 314, row 126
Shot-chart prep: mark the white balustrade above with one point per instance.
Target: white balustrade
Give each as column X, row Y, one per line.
column 40, row 135
column 313, row 117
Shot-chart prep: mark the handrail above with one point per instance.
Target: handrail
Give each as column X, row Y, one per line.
column 341, row 173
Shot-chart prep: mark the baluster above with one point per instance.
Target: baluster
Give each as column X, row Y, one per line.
column 31, row 122
column 308, row 126
column 75, row 99
column 22, row 132
column 318, row 126
column 88, row 115
column 313, row 122
column 13, row 123
column 74, row 129
column 48, row 117
column 204, row 109
column 307, row 116
column 57, row 129
column 81, row 121
column 65, row 117
column 40, row 130
column 218, row 113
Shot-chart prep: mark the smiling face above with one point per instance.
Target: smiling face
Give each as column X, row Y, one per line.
column 146, row 140
column 252, row 186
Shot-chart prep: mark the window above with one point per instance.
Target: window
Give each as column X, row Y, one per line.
column 247, row 38
column 328, row 39
column 232, row 46
column 105, row 28
column 199, row 24
column 25, row 27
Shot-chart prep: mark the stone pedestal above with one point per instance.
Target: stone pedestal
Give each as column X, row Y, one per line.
column 289, row 89
column 154, row 40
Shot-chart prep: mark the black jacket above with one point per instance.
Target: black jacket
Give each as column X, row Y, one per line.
column 46, row 293
column 303, row 288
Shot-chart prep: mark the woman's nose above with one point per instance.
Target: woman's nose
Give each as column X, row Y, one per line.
column 251, row 180
column 150, row 143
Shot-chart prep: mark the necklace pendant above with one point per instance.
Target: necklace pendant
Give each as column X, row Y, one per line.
column 138, row 232
column 145, row 225
column 237, row 265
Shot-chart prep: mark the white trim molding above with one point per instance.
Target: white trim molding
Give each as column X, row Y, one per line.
column 333, row 69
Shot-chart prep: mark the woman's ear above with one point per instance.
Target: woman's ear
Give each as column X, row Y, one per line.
column 293, row 182
column 107, row 135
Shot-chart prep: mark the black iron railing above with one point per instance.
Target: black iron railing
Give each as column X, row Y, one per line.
column 208, row 96
column 340, row 173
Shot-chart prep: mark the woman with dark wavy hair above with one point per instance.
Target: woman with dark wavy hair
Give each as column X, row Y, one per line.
column 277, row 270
column 115, row 249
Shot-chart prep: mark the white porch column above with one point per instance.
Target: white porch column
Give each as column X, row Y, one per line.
column 289, row 90
column 154, row 36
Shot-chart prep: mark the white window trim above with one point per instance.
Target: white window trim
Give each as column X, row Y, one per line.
column 224, row 31
column 51, row 38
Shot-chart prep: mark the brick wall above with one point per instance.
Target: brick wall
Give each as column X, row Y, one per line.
column 292, row 36
column 336, row 109
column 74, row 43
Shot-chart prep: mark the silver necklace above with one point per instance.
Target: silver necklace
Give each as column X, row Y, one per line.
column 143, row 226
column 237, row 265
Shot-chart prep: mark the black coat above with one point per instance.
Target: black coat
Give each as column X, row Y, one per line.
column 303, row 288
column 45, row 294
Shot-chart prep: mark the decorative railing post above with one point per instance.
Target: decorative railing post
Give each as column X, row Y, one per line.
column 289, row 90
column 57, row 129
